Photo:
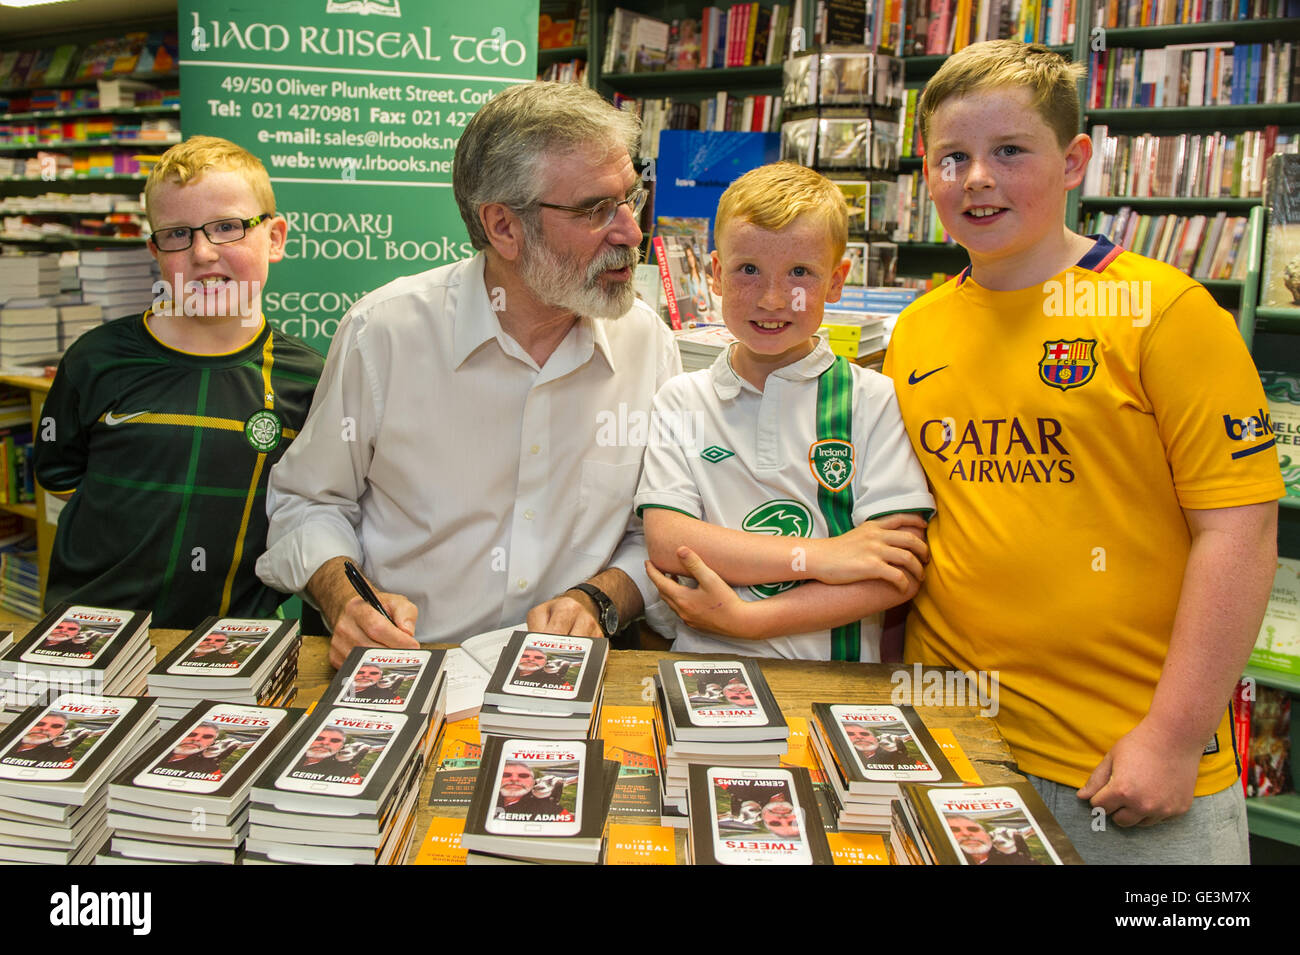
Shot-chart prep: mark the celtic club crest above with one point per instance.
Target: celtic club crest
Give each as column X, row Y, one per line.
column 263, row 430
column 831, row 461
column 781, row 519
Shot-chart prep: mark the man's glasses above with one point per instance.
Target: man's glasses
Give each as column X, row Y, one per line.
column 219, row 231
column 602, row 214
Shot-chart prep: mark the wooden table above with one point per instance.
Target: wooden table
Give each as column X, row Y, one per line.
column 795, row 683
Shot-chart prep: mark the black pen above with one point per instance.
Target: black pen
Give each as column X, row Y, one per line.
column 363, row 588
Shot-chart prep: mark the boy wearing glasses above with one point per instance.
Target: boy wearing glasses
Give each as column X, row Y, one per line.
column 160, row 430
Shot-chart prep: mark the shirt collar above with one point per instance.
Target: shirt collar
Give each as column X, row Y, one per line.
column 475, row 323
column 727, row 384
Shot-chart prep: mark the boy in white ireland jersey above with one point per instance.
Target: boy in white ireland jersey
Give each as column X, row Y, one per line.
column 781, row 439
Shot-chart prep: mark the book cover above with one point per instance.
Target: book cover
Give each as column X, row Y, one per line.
column 640, row 845
column 874, row 744
column 1269, row 769
column 628, row 732
column 340, row 760
column 215, row 752
column 76, row 636
column 720, row 699
column 990, row 825
column 542, row 671
column 754, row 817
column 226, row 647
column 534, row 796
column 1278, row 645
column 68, row 740
column 1282, row 389
column 386, row 680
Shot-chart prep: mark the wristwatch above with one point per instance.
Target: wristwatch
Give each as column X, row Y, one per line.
column 606, row 612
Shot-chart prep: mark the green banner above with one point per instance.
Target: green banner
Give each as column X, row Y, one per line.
column 355, row 107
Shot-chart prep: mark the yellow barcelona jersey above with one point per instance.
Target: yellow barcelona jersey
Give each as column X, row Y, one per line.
column 1063, row 428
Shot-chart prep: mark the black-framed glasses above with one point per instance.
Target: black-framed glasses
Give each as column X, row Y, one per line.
column 602, row 214
column 177, row 238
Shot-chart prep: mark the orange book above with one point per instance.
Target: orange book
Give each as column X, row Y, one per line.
column 441, row 845
column 858, row 848
column 640, row 845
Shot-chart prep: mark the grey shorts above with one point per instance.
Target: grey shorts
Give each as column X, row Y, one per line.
column 1212, row 832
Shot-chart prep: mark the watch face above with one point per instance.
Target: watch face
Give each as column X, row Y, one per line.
column 609, row 620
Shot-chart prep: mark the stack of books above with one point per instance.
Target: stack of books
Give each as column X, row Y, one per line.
column 343, row 789
column 712, row 713
column 985, row 825
column 28, row 276
column 185, row 799
column 121, row 281
column 539, row 801
column 545, row 686
column 55, row 763
column 76, row 320
column 701, row 345
column 253, row 662
column 754, row 817
column 29, row 330
column 384, row 680
column 867, row 752
column 91, row 650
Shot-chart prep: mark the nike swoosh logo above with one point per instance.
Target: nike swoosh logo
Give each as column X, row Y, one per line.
column 111, row 419
column 913, row 378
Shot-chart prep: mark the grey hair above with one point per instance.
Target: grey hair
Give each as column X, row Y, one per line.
column 501, row 153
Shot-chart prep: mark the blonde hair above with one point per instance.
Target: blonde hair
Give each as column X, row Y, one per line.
column 1052, row 82
column 187, row 161
column 773, row 196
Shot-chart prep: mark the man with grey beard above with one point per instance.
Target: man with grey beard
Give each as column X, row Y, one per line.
column 454, row 448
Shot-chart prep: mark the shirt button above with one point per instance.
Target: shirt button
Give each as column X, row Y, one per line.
column 529, row 515
column 535, row 449
column 523, row 584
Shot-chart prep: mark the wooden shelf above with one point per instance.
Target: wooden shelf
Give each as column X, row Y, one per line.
column 1174, row 203
column 1241, row 31
column 675, row 81
column 89, row 144
column 87, row 111
column 23, row 510
column 1181, row 118
column 1275, row 817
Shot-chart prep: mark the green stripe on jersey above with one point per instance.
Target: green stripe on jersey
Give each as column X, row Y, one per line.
column 835, row 421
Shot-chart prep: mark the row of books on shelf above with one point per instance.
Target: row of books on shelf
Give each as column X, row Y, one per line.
column 135, row 52
column 722, row 112
column 936, row 27
column 20, row 582
column 1204, row 247
column 571, row 71
column 743, row 34
column 918, row 219
column 88, row 131
column 106, row 94
column 1213, row 165
column 83, row 163
column 1204, row 74
column 1147, row 13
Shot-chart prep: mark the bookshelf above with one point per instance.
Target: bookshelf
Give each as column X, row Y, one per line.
column 36, row 513
column 83, row 147
column 1233, row 121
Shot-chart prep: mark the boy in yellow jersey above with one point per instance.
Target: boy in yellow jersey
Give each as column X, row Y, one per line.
column 1093, row 429
column 780, row 438
column 166, row 425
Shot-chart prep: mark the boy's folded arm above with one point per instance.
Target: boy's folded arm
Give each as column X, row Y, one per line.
column 713, row 606
column 888, row 549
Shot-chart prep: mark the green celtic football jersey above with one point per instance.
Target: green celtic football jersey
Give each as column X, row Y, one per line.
column 168, row 453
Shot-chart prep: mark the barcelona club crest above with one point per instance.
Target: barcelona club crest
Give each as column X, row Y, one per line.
column 1068, row 364
column 831, row 461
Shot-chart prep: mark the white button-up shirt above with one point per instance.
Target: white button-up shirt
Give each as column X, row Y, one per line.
column 454, row 470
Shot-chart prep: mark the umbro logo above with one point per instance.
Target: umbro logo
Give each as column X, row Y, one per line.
column 914, row 378
column 111, row 419
column 713, row 454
